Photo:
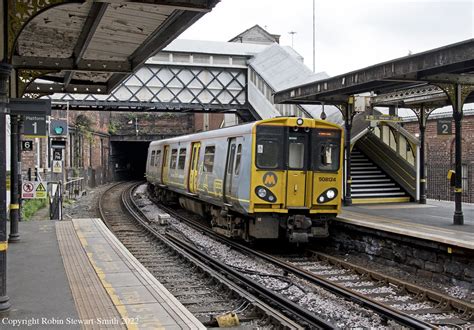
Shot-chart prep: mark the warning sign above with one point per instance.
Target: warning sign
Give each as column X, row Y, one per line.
column 40, row 190
column 33, row 189
column 57, row 166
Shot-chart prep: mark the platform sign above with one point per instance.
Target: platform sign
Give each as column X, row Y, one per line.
column 33, row 189
column 445, row 126
column 386, row 118
column 34, row 126
column 27, row 145
column 57, row 166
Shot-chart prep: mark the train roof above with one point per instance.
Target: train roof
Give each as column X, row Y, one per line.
column 232, row 130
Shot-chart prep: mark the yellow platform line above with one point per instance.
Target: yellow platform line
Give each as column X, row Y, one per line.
column 380, row 200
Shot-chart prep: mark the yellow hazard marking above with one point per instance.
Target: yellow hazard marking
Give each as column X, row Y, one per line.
column 3, row 246
column 450, row 250
column 14, row 206
column 458, row 190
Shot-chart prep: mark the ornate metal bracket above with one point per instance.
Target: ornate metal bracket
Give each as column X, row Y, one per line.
column 25, row 77
column 450, row 90
column 422, row 112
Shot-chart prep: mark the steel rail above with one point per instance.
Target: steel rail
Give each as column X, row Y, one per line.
column 382, row 310
column 310, row 320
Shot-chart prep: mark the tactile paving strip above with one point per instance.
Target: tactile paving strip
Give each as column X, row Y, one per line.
column 93, row 304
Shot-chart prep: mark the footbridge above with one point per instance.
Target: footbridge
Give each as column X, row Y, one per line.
column 194, row 76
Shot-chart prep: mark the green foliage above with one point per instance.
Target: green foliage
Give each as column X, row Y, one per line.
column 31, row 206
column 113, row 127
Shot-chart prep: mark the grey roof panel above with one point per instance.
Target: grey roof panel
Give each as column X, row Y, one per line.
column 282, row 67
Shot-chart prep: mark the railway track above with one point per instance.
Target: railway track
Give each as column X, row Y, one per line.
column 407, row 304
column 205, row 287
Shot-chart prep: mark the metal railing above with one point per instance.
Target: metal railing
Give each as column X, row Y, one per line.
column 74, row 187
column 439, row 187
column 55, row 201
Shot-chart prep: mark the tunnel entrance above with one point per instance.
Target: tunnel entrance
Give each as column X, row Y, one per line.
column 128, row 159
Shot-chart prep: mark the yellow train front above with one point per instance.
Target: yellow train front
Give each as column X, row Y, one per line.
column 275, row 178
column 296, row 177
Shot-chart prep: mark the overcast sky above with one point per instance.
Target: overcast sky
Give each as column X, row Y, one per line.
column 349, row 34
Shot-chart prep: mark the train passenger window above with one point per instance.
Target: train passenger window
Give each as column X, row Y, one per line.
column 296, row 155
column 174, row 157
column 237, row 160
column 268, row 151
column 152, row 159
column 158, row 158
column 230, row 164
column 182, row 158
column 209, row 158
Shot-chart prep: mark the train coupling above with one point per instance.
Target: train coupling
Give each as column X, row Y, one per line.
column 299, row 228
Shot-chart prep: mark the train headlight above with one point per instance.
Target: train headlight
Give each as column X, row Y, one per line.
column 265, row 194
column 327, row 195
column 299, row 121
column 330, row 194
column 261, row 192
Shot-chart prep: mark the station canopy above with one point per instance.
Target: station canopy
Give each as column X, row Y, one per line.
column 88, row 46
column 449, row 64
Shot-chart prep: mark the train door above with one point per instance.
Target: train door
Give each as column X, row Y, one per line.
column 193, row 169
column 164, row 165
column 297, row 167
column 229, row 170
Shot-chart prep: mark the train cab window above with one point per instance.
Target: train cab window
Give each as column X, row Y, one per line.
column 174, row 158
column 269, row 147
column 209, row 152
column 237, row 159
column 158, row 158
column 182, row 158
column 152, row 158
column 268, row 153
column 326, row 150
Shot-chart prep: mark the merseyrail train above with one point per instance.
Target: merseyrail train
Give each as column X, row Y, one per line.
column 279, row 178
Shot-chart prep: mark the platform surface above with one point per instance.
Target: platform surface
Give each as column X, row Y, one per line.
column 431, row 221
column 36, row 281
column 141, row 301
column 77, row 275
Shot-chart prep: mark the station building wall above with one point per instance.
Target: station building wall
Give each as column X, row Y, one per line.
column 440, row 157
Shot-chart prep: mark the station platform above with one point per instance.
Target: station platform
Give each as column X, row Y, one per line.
column 431, row 221
column 77, row 275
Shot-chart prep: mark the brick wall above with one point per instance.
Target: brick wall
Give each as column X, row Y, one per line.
column 440, row 156
column 88, row 143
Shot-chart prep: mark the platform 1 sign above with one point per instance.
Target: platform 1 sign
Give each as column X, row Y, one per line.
column 34, row 126
column 33, row 189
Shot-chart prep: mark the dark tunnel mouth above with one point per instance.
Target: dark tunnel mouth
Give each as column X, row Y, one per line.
column 128, row 159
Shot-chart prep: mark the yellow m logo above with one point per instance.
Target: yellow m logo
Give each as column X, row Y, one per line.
column 269, row 179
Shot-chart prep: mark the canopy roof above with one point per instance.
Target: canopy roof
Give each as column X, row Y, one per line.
column 90, row 47
column 454, row 62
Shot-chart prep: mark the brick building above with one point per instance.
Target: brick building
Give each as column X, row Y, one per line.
column 440, row 155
